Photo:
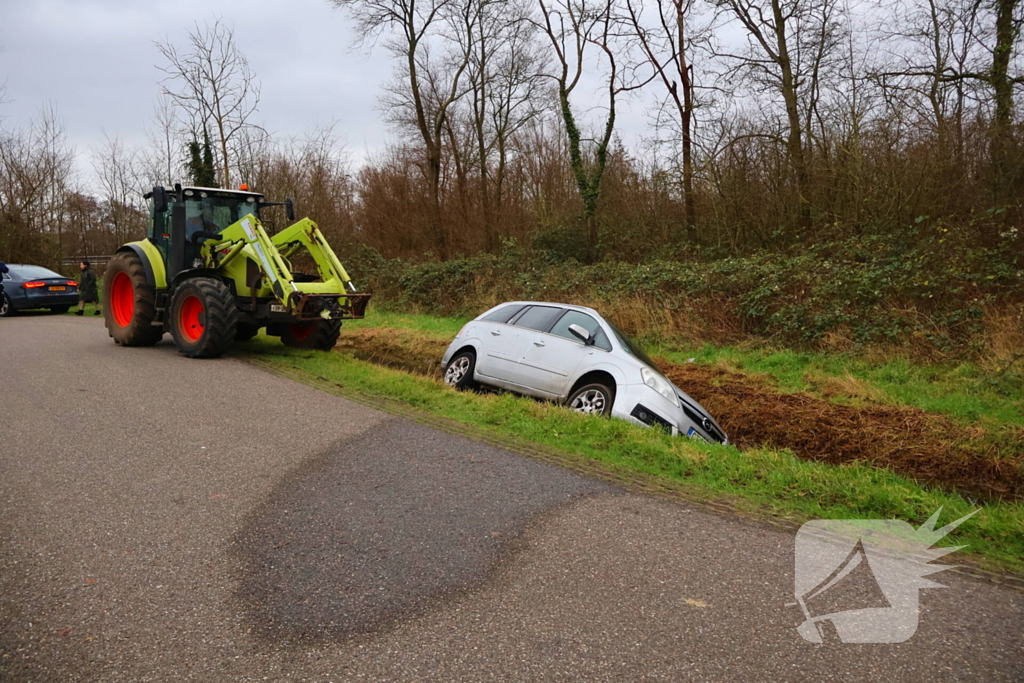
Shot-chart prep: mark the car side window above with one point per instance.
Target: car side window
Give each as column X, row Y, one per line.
column 502, row 314
column 538, row 318
column 561, row 328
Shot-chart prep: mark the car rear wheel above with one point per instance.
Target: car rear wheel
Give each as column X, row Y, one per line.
column 129, row 302
column 459, row 373
column 591, row 399
column 6, row 308
column 204, row 317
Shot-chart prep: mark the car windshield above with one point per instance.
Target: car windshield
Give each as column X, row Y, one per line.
column 30, row 272
column 631, row 347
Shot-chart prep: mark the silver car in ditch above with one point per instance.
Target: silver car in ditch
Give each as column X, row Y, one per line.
column 572, row 355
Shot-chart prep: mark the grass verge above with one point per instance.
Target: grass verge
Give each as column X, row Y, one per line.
column 761, row 481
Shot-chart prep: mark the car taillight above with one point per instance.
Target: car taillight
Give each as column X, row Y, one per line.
column 72, row 283
column 33, row 285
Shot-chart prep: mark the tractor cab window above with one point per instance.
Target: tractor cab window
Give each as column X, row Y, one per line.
column 213, row 213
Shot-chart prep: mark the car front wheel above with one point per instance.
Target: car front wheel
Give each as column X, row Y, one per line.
column 591, row 399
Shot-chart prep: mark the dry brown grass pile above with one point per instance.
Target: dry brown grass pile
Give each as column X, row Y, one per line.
column 924, row 446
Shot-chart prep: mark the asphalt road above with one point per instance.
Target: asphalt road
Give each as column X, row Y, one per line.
column 166, row 519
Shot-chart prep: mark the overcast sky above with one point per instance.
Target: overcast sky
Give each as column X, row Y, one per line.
column 94, row 61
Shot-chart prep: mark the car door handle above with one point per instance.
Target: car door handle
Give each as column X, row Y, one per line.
column 496, row 333
column 538, row 343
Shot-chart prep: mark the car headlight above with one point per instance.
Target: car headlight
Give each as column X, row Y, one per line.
column 659, row 384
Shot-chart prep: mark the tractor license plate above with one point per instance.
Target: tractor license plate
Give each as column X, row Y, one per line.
column 278, row 308
column 57, row 289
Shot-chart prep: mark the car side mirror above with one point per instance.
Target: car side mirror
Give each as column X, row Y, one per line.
column 159, row 199
column 580, row 333
column 289, row 209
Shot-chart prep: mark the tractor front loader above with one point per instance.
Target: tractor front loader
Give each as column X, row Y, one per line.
column 209, row 273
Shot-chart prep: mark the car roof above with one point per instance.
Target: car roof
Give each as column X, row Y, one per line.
column 14, row 266
column 571, row 307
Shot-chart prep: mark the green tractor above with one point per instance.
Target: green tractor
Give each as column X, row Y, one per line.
column 210, row 273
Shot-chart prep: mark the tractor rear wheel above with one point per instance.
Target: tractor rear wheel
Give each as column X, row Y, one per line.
column 321, row 334
column 129, row 302
column 203, row 317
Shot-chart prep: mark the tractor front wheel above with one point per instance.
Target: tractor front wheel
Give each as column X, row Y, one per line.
column 321, row 334
column 129, row 302
column 204, row 317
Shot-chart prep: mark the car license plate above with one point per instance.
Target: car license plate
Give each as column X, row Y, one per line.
column 57, row 289
column 694, row 434
column 278, row 308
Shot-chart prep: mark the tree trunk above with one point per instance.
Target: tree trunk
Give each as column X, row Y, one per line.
column 795, row 145
column 1004, row 165
column 686, row 118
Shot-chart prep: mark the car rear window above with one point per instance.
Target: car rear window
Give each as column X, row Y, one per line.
column 30, row 272
column 538, row 318
column 502, row 314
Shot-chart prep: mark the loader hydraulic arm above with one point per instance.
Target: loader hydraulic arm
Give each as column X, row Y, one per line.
column 304, row 299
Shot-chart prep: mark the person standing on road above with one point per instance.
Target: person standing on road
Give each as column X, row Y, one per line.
column 3, row 269
column 87, row 292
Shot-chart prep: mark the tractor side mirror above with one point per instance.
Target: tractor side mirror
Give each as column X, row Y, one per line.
column 159, row 199
column 289, row 209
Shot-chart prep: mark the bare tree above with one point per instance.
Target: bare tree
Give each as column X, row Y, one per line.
column 161, row 163
column 574, row 28
column 666, row 43
column 36, row 171
column 212, row 83
column 961, row 49
column 504, row 88
column 117, row 169
column 790, row 44
column 427, row 86
column 1004, row 44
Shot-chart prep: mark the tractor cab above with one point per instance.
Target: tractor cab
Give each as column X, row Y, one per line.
column 181, row 220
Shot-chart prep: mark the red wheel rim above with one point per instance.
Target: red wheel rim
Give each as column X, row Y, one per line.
column 190, row 318
column 122, row 299
column 301, row 331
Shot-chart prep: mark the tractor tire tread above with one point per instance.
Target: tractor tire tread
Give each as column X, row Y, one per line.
column 141, row 331
column 221, row 318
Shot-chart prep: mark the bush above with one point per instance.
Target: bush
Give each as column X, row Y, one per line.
column 918, row 289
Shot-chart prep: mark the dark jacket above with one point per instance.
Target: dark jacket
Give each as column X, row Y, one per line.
column 87, row 286
column 3, row 269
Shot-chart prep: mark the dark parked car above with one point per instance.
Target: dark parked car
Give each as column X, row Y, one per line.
column 27, row 287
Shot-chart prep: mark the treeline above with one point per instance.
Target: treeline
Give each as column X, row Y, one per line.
column 774, row 127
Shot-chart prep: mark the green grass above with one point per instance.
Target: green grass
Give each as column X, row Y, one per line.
column 759, row 480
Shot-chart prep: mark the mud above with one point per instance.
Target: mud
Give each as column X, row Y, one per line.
column 924, row 446
column 927, row 447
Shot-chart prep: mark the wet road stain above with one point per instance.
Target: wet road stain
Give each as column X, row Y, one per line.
column 378, row 527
